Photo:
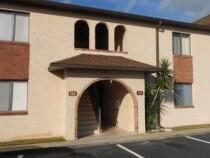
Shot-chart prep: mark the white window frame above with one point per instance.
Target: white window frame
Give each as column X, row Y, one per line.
column 11, row 91
column 175, row 95
column 16, row 13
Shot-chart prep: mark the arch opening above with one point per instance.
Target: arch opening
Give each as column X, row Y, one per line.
column 81, row 36
column 104, row 106
column 119, row 36
column 101, row 37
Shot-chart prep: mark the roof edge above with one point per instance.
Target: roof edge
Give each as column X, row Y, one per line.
column 74, row 63
column 107, row 13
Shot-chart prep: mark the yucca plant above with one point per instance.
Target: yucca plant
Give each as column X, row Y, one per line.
column 151, row 109
column 156, row 92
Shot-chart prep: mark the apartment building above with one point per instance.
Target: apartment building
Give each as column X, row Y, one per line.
column 74, row 71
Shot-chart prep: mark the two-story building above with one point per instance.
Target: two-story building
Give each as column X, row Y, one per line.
column 74, row 71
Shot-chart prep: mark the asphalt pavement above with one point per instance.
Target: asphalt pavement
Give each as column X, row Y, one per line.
column 196, row 146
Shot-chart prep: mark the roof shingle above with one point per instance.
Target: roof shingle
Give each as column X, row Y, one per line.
column 102, row 62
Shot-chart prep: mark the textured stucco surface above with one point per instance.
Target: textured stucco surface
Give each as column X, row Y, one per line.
column 172, row 116
column 51, row 112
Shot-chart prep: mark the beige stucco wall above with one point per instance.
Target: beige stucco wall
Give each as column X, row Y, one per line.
column 200, row 49
column 52, row 38
column 125, row 117
column 46, row 99
column 51, row 111
column 118, row 106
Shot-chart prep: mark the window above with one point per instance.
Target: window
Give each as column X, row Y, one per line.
column 101, row 37
column 81, row 36
column 181, row 44
column 119, row 38
column 13, row 96
column 14, row 26
column 183, row 94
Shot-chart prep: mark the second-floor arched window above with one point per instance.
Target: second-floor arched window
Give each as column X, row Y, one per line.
column 119, row 36
column 81, row 35
column 101, row 37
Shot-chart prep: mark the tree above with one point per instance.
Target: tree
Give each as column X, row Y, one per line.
column 156, row 92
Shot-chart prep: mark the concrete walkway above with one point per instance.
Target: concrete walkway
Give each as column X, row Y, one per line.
column 107, row 139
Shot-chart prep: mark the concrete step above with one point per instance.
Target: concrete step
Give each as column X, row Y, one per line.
column 86, row 123
column 87, row 118
column 84, row 100
column 88, row 127
column 86, row 96
column 86, row 109
column 84, row 105
column 86, row 113
column 85, row 133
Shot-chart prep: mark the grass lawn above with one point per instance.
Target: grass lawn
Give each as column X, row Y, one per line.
column 190, row 127
column 31, row 141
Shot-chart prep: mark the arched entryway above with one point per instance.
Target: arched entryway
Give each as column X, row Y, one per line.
column 106, row 104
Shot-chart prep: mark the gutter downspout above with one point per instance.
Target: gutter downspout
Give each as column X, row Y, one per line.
column 158, row 43
column 158, row 27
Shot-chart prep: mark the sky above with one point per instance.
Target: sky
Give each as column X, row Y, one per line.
column 181, row 10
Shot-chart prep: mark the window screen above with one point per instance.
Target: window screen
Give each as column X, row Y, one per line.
column 182, row 94
column 176, row 44
column 4, row 96
column 21, row 28
column 185, row 44
column 19, row 97
column 6, row 26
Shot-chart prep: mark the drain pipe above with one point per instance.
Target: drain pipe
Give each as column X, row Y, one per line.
column 158, row 27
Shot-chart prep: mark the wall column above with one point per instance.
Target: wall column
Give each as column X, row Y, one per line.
column 92, row 36
column 111, row 37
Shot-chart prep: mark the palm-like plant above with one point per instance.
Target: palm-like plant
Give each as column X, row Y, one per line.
column 156, row 93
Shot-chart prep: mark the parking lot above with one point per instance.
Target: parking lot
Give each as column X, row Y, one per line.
column 197, row 146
